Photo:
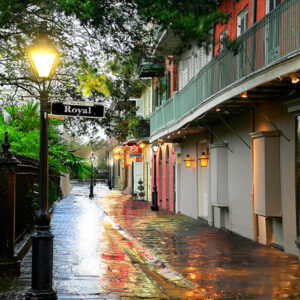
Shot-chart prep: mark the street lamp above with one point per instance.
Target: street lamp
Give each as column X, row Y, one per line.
column 154, row 205
column 92, row 159
column 43, row 57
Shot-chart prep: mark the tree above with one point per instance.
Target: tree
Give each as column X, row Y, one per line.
column 191, row 20
column 23, row 130
column 100, row 42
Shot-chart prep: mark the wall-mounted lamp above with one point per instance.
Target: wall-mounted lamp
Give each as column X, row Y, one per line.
column 188, row 161
column 116, row 150
column 203, row 159
column 155, row 147
column 117, row 156
column 244, row 94
column 294, row 78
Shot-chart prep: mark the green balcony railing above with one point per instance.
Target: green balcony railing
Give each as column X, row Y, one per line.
column 272, row 38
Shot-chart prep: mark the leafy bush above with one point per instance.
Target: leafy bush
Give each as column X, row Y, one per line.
column 23, row 132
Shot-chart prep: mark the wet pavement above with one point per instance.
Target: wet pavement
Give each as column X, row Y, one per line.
column 113, row 247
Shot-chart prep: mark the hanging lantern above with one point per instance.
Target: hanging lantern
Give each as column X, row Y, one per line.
column 203, row 160
column 116, row 156
column 188, row 161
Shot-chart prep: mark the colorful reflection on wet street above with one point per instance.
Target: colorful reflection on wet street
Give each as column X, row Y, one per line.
column 114, row 247
column 87, row 260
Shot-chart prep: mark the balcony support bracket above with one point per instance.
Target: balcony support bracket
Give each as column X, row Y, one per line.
column 230, row 127
column 269, row 120
column 213, row 133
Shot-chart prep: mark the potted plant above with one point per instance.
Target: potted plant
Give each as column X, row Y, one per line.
column 141, row 189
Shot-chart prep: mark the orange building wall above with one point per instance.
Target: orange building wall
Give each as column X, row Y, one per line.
column 235, row 8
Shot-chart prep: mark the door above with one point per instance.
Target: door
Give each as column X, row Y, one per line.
column 202, row 189
column 138, row 174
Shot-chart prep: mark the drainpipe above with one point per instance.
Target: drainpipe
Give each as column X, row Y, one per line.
column 254, row 216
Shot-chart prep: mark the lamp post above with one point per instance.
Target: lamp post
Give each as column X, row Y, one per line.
column 43, row 57
column 154, row 205
column 92, row 159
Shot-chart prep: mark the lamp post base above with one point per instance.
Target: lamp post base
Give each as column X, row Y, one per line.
column 154, row 206
column 42, row 267
column 45, row 295
column 91, row 195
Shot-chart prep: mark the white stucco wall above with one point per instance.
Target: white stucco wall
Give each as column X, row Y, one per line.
column 238, row 217
column 188, row 180
column 286, row 123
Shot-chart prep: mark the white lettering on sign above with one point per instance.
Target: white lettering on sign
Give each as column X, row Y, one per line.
column 78, row 111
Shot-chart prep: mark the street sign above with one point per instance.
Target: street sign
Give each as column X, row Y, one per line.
column 77, row 109
column 135, row 154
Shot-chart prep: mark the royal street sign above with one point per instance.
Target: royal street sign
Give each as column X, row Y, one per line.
column 77, row 109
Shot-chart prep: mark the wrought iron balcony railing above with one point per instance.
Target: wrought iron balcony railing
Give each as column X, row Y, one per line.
column 270, row 40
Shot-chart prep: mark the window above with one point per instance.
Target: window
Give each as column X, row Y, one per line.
column 155, row 96
column 168, row 85
column 186, row 71
column 149, row 100
column 162, row 89
column 271, row 4
column 223, row 37
column 242, row 21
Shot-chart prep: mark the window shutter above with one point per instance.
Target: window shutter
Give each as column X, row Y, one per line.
column 140, row 107
column 168, row 78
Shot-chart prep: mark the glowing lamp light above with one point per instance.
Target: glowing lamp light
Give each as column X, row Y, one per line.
column 117, row 150
column 188, row 161
column 294, row 79
column 203, row 160
column 43, row 56
column 116, row 156
column 244, row 94
column 142, row 145
column 92, row 158
column 155, row 147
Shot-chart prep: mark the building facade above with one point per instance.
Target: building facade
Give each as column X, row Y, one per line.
column 241, row 109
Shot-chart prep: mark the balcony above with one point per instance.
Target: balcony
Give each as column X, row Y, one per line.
column 150, row 67
column 272, row 40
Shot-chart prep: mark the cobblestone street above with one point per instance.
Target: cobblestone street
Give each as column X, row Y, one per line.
column 112, row 247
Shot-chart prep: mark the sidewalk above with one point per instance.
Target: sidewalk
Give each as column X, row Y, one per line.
column 112, row 247
column 220, row 264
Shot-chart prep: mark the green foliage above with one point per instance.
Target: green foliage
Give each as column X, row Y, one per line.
column 99, row 42
column 32, row 205
column 192, row 20
column 53, row 192
column 134, row 127
column 23, row 132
